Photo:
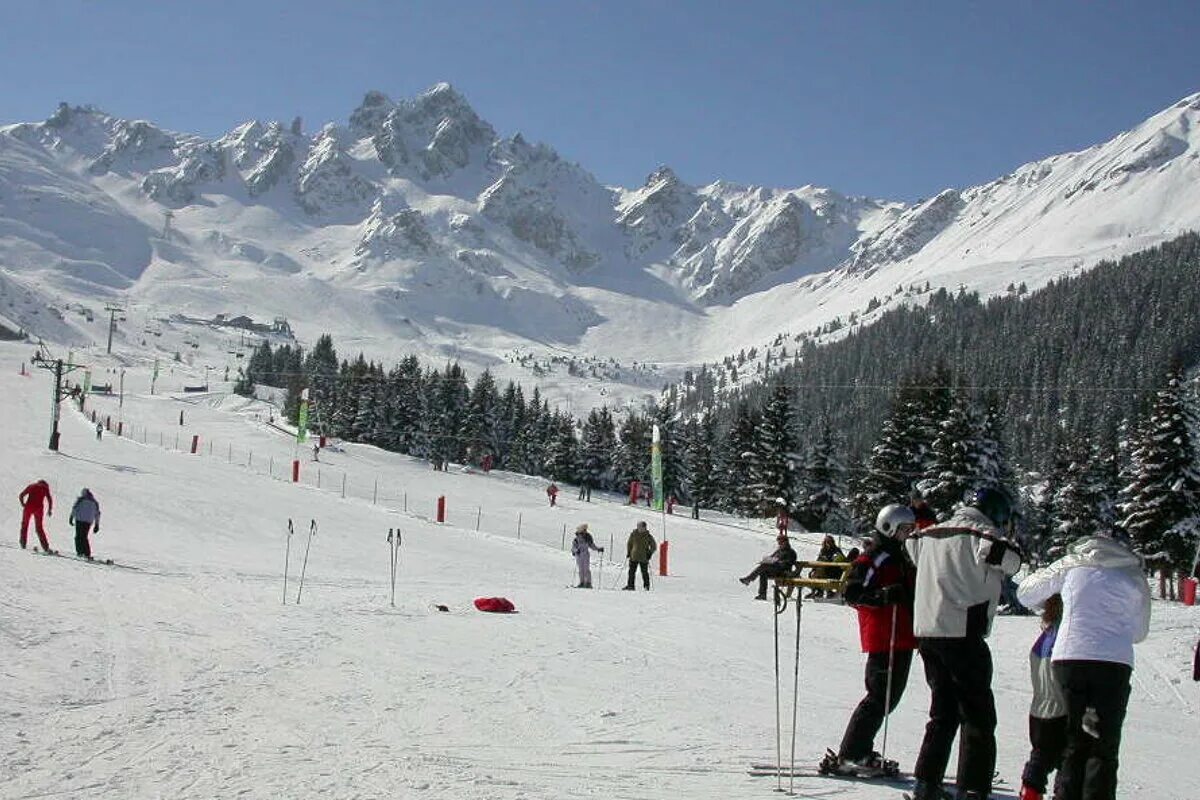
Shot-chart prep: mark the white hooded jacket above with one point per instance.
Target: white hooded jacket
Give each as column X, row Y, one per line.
column 1106, row 601
column 960, row 564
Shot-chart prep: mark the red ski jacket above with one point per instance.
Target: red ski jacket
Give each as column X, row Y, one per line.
column 33, row 495
column 871, row 574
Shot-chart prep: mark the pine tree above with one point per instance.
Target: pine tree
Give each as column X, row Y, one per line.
column 632, row 461
column 1161, row 504
column 954, row 462
column 596, row 449
column 700, row 485
column 824, row 485
column 775, row 454
column 736, row 462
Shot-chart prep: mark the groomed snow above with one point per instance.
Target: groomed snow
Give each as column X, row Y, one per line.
column 181, row 673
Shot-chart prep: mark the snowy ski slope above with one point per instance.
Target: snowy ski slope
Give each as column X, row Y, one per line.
column 180, row 673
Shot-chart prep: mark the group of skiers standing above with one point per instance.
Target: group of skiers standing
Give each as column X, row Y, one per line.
column 934, row 588
column 37, row 501
column 639, row 549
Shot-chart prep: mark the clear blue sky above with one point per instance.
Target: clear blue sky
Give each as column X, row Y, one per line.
column 892, row 99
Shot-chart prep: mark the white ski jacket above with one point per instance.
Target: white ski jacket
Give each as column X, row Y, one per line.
column 1106, row 601
column 960, row 564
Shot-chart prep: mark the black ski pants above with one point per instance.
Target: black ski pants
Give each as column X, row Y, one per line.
column 1048, row 738
column 1089, row 765
column 82, row 546
column 959, row 674
column 633, row 566
column 764, row 572
column 859, row 739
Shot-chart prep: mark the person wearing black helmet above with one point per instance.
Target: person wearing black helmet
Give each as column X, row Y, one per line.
column 960, row 564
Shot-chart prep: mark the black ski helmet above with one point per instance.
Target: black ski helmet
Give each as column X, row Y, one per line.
column 995, row 504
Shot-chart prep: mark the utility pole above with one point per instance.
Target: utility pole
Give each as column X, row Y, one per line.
column 121, row 400
column 112, row 322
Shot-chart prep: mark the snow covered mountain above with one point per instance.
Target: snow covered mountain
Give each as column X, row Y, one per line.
column 416, row 227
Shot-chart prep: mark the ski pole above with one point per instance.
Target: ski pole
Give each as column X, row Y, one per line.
column 795, row 698
column 887, row 695
column 312, row 530
column 287, row 552
column 778, row 712
column 396, row 561
column 392, row 564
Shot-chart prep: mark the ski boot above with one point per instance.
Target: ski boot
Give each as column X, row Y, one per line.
column 868, row 766
column 929, row 791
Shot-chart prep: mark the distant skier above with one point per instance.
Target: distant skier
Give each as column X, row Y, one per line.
column 1048, row 711
column 582, row 548
column 585, row 490
column 99, row 431
column 552, row 494
column 671, row 501
column 960, row 563
column 36, row 499
column 639, row 549
column 84, row 514
column 776, row 565
column 1106, row 609
column 316, row 452
column 783, row 521
column 880, row 587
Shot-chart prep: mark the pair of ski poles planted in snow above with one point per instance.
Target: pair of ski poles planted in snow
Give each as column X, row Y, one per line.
column 312, row 531
column 393, row 539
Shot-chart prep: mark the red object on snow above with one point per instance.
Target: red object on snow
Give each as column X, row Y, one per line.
column 195, row 443
column 495, row 605
column 635, row 491
column 1187, row 591
column 662, row 557
column 441, row 508
column 296, row 471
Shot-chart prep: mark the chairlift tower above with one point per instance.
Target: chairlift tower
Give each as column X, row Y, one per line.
column 112, row 322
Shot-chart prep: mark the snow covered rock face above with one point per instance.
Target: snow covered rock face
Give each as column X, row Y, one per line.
column 915, row 228
column 202, row 163
column 396, row 233
column 655, row 213
column 327, row 178
column 135, row 146
column 431, row 136
column 276, row 154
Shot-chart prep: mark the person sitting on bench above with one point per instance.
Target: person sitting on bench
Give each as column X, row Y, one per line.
column 776, row 565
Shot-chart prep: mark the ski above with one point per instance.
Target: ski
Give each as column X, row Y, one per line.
column 44, row 552
column 901, row 779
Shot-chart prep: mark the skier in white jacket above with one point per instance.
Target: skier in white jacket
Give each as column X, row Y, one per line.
column 1106, row 609
column 960, row 564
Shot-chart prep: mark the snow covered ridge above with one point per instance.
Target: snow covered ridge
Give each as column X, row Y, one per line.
column 373, row 219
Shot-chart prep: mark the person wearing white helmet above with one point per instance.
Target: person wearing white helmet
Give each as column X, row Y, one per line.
column 879, row 587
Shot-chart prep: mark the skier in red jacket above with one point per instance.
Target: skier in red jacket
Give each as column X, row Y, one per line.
column 32, row 498
column 880, row 587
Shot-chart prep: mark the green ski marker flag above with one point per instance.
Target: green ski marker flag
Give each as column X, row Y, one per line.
column 302, row 427
column 656, row 475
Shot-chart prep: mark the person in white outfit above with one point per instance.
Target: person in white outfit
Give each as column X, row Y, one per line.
column 582, row 548
column 1106, row 609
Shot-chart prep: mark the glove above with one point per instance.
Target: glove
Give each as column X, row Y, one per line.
column 893, row 595
column 601, row 549
column 97, row 528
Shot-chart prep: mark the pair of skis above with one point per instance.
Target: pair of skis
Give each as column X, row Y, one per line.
column 102, row 561
column 312, row 531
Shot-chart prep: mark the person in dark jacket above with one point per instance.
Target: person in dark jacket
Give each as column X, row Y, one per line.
column 639, row 548
column 35, row 500
column 829, row 553
column 84, row 514
column 880, row 588
column 777, row 565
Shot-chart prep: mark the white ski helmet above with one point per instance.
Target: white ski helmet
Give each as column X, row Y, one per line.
column 891, row 517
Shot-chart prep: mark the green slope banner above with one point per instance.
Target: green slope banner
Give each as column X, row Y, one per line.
column 302, row 426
